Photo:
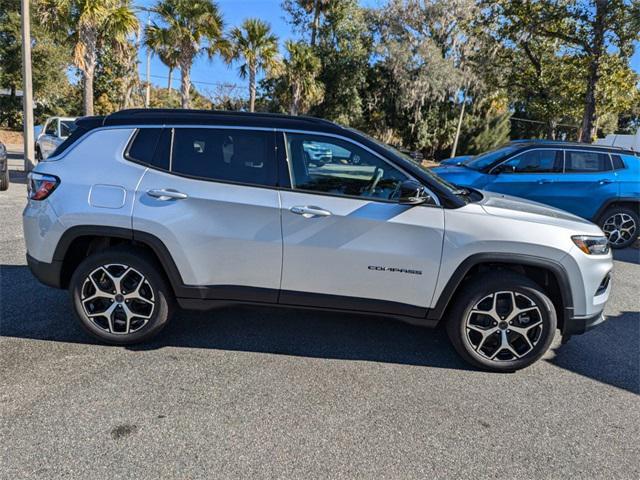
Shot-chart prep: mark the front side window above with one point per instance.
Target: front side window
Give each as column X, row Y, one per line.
column 334, row 166
column 534, row 161
column 243, row 156
column 586, row 162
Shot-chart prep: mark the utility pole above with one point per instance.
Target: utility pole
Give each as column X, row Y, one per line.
column 27, row 88
column 147, row 97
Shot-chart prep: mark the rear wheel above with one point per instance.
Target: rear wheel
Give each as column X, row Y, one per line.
column 502, row 322
column 621, row 226
column 121, row 296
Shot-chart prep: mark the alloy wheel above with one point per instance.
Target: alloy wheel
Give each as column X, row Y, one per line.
column 619, row 228
column 504, row 326
column 117, row 299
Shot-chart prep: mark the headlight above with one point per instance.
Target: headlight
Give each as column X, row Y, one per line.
column 591, row 245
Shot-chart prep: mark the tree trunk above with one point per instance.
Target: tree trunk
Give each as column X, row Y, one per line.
column 586, row 131
column 87, row 94
column 316, row 22
column 252, row 88
column 551, row 130
column 169, row 80
column 185, row 84
column 295, row 100
column 88, row 46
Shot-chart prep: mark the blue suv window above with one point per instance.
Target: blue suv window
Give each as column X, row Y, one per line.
column 582, row 161
column 535, row 161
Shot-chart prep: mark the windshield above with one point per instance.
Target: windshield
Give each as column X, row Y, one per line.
column 439, row 180
column 480, row 162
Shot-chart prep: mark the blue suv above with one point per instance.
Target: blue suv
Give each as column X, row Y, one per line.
column 601, row 184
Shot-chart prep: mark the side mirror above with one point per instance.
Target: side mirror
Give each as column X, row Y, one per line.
column 411, row 192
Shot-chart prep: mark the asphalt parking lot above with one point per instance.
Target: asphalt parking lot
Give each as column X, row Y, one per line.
column 265, row 393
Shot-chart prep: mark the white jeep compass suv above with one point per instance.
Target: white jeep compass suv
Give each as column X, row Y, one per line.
column 143, row 209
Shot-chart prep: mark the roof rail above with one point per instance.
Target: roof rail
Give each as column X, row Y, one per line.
column 163, row 112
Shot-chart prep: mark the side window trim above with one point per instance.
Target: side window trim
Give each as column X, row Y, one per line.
column 364, row 147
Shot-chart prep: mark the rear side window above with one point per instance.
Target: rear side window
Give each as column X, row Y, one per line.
column 243, row 156
column 618, row 163
column 586, row 162
column 144, row 148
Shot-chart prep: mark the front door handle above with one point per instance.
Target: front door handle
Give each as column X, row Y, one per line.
column 543, row 181
column 310, row 211
column 605, row 181
column 165, row 194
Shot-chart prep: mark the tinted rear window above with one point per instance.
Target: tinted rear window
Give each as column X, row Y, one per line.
column 144, row 148
column 243, row 156
column 586, row 162
column 618, row 164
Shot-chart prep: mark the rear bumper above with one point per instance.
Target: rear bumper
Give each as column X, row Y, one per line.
column 47, row 273
column 579, row 325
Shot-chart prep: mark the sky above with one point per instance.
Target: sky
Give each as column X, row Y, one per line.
column 206, row 73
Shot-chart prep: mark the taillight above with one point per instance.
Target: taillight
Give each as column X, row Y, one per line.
column 40, row 186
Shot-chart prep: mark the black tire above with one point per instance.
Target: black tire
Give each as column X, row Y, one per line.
column 618, row 241
column 479, row 288
column 4, row 181
column 156, row 289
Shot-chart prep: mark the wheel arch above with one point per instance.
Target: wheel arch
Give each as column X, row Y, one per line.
column 549, row 274
column 629, row 202
column 80, row 241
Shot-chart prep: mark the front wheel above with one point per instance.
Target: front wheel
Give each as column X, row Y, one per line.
column 121, row 296
column 621, row 226
column 502, row 322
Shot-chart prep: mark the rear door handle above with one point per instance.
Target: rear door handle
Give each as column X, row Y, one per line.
column 605, row 181
column 310, row 211
column 165, row 194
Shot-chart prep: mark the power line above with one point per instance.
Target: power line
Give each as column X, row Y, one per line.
column 215, row 84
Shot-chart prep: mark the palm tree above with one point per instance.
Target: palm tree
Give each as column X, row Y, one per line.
column 316, row 8
column 89, row 24
column 186, row 29
column 301, row 70
column 258, row 48
column 162, row 42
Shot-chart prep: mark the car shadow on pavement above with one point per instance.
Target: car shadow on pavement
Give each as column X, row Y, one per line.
column 32, row 311
column 609, row 353
column 29, row 310
column 629, row 255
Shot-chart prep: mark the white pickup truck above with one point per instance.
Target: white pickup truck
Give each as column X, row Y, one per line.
column 628, row 142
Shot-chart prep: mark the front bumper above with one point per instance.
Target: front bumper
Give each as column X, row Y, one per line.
column 47, row 273
column 580, row 325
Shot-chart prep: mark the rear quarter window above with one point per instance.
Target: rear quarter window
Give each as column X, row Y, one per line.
column 150, row 146
column 618, row 163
